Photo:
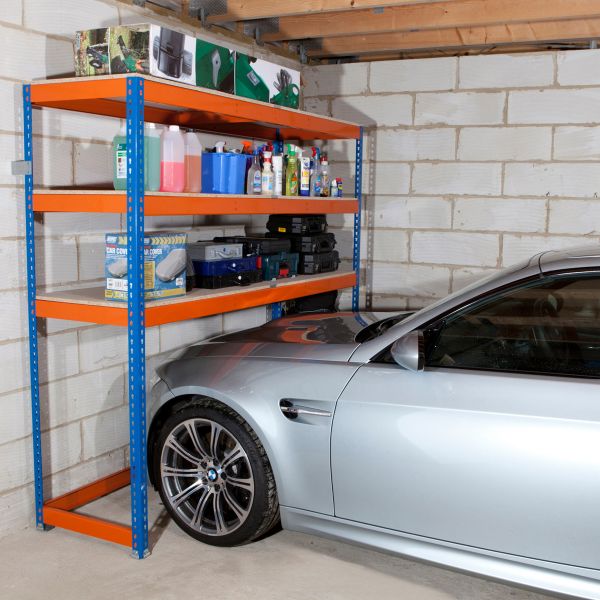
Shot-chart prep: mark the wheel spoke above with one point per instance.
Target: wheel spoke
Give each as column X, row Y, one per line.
column 215, row 434
column 168, row 471
column 244, row 483
column 232, row 456
column 193, row 433
column 196, row 520
column 219, row 518
column 179, row 449
column 235, row 506
column 186, row 493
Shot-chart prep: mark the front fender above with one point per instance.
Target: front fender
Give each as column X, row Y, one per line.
column 298, row 451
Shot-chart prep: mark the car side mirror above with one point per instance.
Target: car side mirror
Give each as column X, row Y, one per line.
column 409, row 351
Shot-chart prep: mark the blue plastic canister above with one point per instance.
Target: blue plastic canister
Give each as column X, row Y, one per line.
column 223, row 172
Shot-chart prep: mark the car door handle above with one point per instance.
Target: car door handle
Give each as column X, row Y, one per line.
column 293, row 411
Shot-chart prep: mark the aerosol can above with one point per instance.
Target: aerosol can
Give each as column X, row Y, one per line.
column 325, row 182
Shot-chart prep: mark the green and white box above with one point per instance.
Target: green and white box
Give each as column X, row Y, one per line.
column 165, row 260
column 266, row 81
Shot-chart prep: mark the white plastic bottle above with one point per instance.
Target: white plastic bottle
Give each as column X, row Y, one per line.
column 193, row 162
column 268, row 177
column 172, row 161
column 152, row 157
column 278, row 174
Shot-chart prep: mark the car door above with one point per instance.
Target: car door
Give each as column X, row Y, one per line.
column 496, row 445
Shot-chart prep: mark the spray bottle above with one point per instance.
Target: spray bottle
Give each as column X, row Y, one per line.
column 316, row 181
column 324, row 175
column 304, row 173
column 254, row 179
column 291, row 172
column 268, row 177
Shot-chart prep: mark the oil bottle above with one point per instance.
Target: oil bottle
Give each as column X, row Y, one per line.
column 291, row 172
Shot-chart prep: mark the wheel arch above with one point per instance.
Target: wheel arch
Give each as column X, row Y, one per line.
column 203, row 397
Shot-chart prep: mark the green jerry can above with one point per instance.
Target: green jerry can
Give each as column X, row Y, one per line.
column 247, row 82
column 214, row 67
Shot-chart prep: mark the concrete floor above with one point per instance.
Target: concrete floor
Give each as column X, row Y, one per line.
column 284, row 566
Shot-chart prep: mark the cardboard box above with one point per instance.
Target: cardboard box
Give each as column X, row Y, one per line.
column 165, row 260
column 266, row 81
column 215, row 67
column 147, row 49
column 91, row 52
column 161, row 52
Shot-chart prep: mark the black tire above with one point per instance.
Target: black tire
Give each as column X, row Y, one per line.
column 211, row 497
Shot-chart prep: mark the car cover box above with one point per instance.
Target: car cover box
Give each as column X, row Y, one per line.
column 145, row 48
column 266, row 81
column 165, row 259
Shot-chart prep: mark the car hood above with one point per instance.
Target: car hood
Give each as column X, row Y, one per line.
column 316, row 336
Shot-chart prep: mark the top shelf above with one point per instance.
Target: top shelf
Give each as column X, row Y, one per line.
column 172, row 103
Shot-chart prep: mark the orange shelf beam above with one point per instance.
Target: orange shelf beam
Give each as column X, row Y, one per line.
column 174, row 103
column 193, row 308
column 57, row 512
column 170, row 313
column 173, row 204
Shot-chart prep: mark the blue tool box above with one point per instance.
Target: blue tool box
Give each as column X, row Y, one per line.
column 215, row 274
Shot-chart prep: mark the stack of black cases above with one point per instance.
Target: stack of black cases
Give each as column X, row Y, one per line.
column 308, row 237
column 218, row 265
column 273, row 255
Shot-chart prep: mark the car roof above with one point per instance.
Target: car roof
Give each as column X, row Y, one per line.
column 581, row 257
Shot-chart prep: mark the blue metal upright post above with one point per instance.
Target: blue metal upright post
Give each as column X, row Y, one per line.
column 136, row 320
column 31, row 293
column 277, row 307
column 357, row 221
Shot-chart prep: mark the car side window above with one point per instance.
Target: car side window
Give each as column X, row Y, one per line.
column 549, row 326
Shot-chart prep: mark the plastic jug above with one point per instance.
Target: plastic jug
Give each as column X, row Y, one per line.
column 172, row 162
column 193, row 162
column 120, row 159
column 152, row 157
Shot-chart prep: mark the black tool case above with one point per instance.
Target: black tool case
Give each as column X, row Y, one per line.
column 305, row 224
column 223, row 273
column 257, row 246
column 317, row 242
column 323, row 262
column 213, row 282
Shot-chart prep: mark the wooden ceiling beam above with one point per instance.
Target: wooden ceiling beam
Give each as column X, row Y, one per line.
column 463, row 37
column 438, row 15
column 247, row 10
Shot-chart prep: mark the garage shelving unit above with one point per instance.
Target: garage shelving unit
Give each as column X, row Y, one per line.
column 139, row 98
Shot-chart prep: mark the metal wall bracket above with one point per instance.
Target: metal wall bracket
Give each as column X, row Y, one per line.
column 21, row 167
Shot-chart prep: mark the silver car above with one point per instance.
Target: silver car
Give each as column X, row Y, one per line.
column 465, row 434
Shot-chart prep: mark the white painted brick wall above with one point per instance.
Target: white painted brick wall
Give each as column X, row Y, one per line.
column 457, row 178
column 579, row 68
column 417, row 75
column 506, row 70
column 12, row 11
column 460, row 108
column 577, row 143
column 414, row 144
column 552, row 179
column 412, row 213
column 396, row 109
column 575, row 216
column 505, row 143
column 486, row 214
column 452, row 248
column 554, row 106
